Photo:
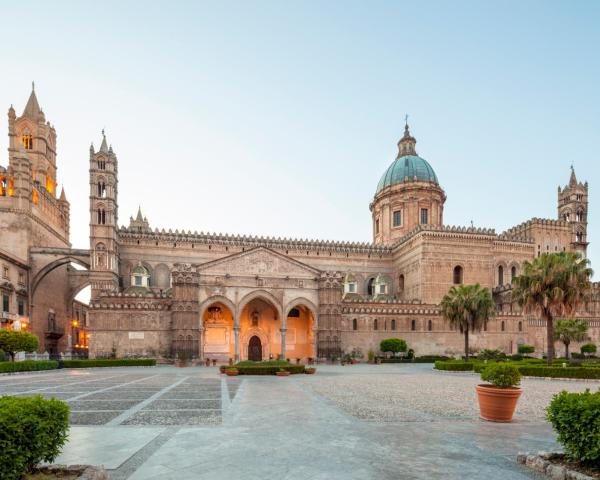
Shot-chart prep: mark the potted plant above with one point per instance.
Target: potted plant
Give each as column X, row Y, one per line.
column 214, row 362
column 232, row 372
column 182, row 356
column 310, row 370
column 222, row 368
column 282, row 373
column 207, row 362
column 498, row 399
column 371, row 356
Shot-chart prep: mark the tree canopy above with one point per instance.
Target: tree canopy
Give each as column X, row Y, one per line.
column 553, row 285
column 12, row 341
column 468, row 308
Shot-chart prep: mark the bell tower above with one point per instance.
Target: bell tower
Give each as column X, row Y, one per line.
column 573, row 208
column 104, row 240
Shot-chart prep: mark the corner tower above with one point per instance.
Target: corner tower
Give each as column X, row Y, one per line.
column 408, row 195
column 573, row 208
column 104, row 240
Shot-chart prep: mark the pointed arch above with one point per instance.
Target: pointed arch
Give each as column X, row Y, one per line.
column 262, row 294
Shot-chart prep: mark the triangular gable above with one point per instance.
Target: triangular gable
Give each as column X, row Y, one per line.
column 258, row 261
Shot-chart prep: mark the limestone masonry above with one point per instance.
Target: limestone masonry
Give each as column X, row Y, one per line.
column 160, row 293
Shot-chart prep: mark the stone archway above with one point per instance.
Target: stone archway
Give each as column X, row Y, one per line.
column 255, row 349
column 263, row 338
column 301, row 324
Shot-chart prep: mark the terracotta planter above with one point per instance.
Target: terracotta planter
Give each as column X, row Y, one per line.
column 497, row 404
column 282, row 374
column 231, row 373
column 309, row 371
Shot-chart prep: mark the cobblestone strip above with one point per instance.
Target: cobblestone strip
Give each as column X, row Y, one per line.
column 129, row 466
column 64, row 385
column 225, row 402
column 133, row 410
column 77, row 397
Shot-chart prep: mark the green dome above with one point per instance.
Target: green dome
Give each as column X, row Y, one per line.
column 408, row 168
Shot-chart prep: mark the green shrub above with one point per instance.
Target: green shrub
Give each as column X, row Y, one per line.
column 370, row 355
column 501, row 375
column 13, row 341
column 560, row 372
column 576, row 419
column 394, row 345
column 124, row 362
column 32, row 430
column 488, row 354
column 268, row 369
column 588, row 348
column 454, row 365
column 27, row 366
column 525, row 349
column 2, row 356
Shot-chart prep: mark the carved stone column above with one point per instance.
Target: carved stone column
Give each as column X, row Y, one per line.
column 201, row 343
column 236, row 334
column 283, row 330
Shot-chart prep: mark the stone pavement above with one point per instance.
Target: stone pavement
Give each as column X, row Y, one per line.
column 169, row 423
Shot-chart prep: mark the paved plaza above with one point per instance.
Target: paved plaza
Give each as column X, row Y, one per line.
column 361, row 421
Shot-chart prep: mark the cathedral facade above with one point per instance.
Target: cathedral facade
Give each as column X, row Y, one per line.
column 158, row 292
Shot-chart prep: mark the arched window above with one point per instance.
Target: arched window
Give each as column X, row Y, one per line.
column 101, row 216
column 294, row 313
column 370, row 289
column 401, row 283
column 101, row 189
column 500, row 275
column 579, row 216
column 393, row 326
column 354, row 324
column 579, row 237
column 27, row 141
column 502, row 326
column 520, row 326
column 375, row 324
column 413, row 325
column 429, row 325
column 458, row 275
column 101, row 165
column 513, row 273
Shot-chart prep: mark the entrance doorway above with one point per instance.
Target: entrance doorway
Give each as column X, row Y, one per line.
column 254, row 349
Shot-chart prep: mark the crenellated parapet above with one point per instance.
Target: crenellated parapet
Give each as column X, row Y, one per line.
column 189, row 237
column 124, row 301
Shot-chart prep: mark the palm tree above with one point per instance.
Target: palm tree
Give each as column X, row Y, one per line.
column 468, row 308
column 553, row 285
column 568, row 331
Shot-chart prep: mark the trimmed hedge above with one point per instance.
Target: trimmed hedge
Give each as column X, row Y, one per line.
column 267, row 369
column 576, row 419
column 423, row 359
column 560, row 372
column 28, row 366
column 454, row 365
column 123, row 362
column 32, row 430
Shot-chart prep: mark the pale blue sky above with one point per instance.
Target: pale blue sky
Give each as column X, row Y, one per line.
column 278, row 118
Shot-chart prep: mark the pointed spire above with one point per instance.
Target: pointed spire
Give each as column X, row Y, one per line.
column 573, row 179
column 32, row 109
column 139, row 216
column 63, row 197
column 104, row 146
